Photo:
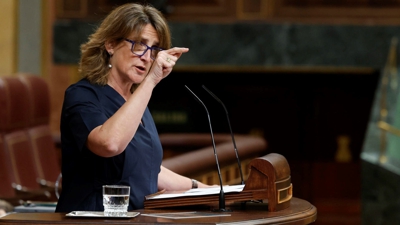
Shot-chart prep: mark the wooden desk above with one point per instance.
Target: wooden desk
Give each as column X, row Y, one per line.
column 300, row 212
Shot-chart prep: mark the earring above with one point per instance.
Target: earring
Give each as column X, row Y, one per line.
column 109, row 65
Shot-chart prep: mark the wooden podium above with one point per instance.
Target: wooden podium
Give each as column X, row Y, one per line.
column 300, row 212
column 269, row 182
column 265, row 199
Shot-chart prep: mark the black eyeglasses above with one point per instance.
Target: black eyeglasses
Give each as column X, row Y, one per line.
column 139, row 49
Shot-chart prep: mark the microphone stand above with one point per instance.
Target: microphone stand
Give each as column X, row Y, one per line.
column 230, row 128
column 221, row 193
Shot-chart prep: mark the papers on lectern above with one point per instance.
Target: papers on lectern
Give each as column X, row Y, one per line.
column 197, row 192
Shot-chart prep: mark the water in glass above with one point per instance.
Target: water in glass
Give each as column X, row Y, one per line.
column 115, row 205
column 115, row 200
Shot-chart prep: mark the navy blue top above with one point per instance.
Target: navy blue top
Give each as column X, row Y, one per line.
column 85, row 107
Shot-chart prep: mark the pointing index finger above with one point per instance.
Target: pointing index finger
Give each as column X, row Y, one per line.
column 177, row 50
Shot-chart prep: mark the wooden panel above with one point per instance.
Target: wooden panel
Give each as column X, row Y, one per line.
column 255, row 9
column 8, row 37
column 84, row 10
column 220, row 11
column 210, row 10
column 341, row 3
column 336, row 192
column 341, row 12
column 71, row 8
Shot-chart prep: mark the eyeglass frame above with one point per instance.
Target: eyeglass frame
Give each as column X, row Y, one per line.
column 147, row 48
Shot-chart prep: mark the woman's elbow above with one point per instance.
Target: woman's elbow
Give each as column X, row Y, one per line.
column 103, row 144
column 109, row 149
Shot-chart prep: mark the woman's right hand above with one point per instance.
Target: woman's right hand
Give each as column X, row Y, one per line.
column 165, row 61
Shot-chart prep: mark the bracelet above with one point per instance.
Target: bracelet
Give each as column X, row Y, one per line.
column 194, row 183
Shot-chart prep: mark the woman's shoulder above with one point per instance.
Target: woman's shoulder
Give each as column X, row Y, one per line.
column 83, row 85
column 83, row 90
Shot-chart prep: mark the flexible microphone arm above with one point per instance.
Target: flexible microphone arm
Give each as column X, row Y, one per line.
column 230, row 128
column 221, row 193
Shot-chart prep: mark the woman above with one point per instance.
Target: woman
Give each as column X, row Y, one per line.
column 108, row 135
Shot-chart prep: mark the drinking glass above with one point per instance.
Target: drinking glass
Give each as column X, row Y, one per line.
column 115, row 200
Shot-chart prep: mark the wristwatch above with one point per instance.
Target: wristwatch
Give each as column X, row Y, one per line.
column 194, row 183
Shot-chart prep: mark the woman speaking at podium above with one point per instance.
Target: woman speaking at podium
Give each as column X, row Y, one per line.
column 107, row 132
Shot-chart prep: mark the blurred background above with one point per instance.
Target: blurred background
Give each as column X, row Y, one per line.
column 316, row 78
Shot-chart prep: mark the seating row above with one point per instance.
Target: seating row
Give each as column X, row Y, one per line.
column 29, row 164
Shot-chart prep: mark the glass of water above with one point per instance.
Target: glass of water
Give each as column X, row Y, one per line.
column 115, row 200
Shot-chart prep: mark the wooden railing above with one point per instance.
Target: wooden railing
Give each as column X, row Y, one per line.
column 199, row 160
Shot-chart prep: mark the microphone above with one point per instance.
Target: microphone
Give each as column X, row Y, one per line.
column 221, row 193
column 230, row 128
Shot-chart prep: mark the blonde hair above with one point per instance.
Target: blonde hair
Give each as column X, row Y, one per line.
column 120, row 23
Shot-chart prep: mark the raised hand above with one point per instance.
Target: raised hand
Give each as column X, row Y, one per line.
column 164, row 63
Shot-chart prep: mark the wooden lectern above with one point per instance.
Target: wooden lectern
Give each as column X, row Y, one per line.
column 271, row 173
column 269, row 182
column 266, row 198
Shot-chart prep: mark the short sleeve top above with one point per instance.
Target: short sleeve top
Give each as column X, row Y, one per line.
column 85, row 107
